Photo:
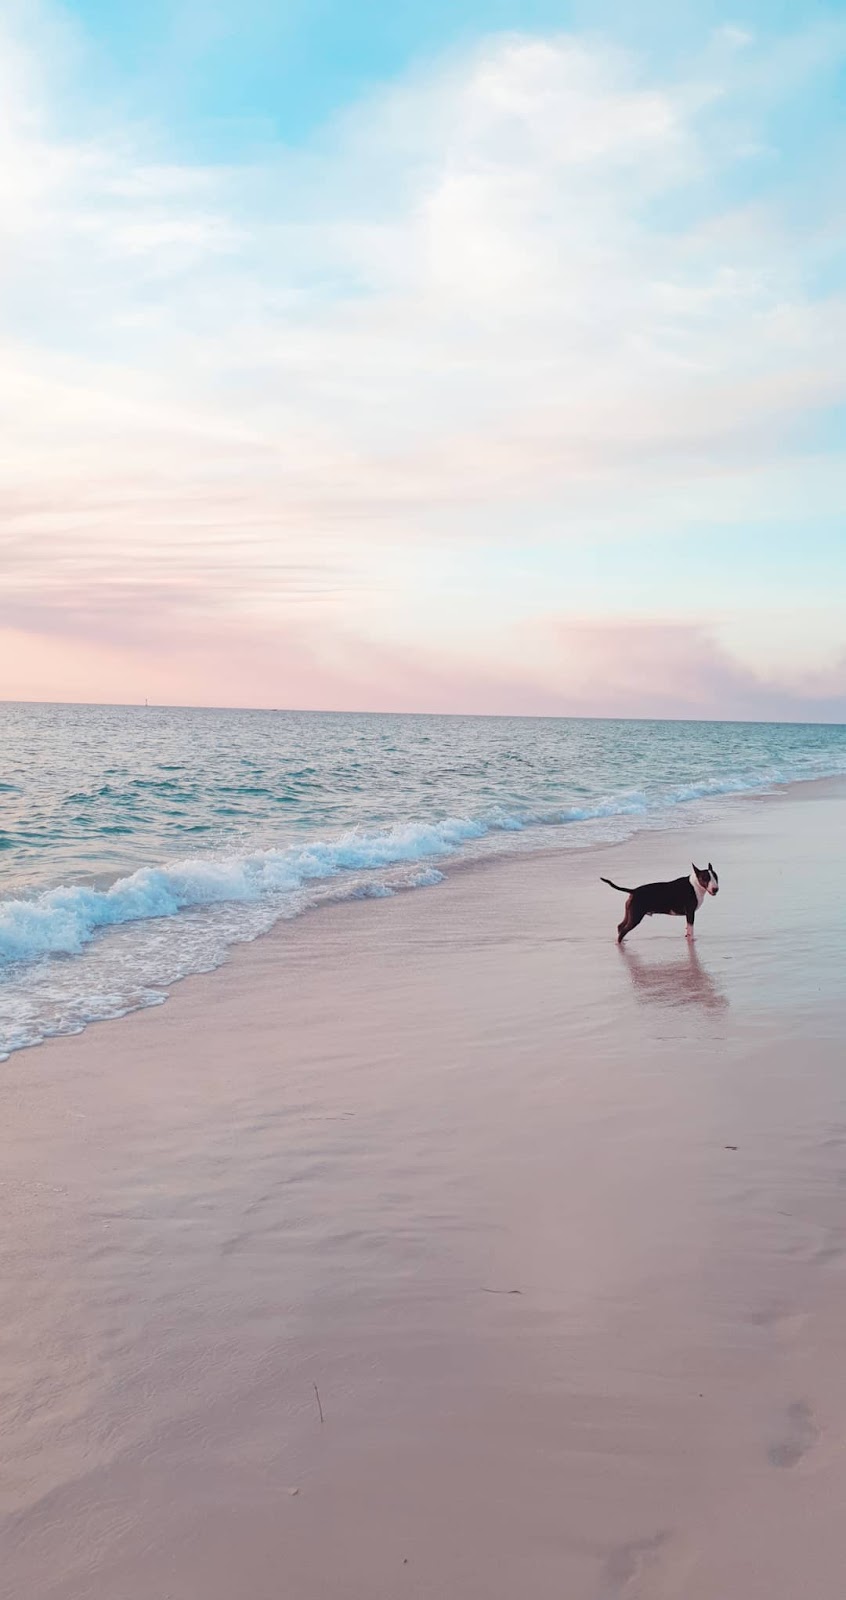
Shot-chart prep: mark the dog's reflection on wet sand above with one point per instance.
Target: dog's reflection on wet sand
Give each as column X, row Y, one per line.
column 680, row 981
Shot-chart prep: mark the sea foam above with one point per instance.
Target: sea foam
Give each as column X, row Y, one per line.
column 61, row 921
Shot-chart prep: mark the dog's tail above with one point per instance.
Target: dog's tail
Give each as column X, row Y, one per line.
column 616, row 886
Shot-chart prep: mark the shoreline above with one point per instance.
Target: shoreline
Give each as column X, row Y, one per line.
column 556, row 1229
column 447, row 866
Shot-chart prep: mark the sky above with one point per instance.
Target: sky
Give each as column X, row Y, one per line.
column 434, row 356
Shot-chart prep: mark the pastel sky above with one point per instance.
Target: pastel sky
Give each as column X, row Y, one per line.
column 453, row 355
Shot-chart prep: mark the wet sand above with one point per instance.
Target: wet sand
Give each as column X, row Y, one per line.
column 558, row 1231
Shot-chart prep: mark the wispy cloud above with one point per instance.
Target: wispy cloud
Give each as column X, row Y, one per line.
column 525, row 290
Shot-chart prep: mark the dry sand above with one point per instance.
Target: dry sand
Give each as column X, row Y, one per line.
column 559, row 1233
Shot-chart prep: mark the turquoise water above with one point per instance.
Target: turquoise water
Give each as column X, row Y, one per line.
column 138, row 844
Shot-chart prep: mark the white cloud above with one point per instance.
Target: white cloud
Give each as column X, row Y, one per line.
column 504, row 289
column 735, row 37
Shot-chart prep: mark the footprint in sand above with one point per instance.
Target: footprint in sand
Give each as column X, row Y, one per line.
column 779, row 1320
column 830, row 1254
column 800, row 1434
column 628, row 1562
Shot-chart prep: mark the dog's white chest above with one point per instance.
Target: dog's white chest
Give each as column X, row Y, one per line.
column 697, row 889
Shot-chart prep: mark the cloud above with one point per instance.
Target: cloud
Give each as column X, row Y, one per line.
column 657, row 668
column 503, row 293
column 567, row 667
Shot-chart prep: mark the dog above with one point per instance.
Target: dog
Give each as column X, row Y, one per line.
column 680, row 898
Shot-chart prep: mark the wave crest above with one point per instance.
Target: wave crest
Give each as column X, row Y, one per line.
column 63, row 920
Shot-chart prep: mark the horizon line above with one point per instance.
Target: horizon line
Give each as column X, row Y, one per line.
column 490, row 716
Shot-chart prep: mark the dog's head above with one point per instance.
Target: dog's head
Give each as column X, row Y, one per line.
column 707, row 878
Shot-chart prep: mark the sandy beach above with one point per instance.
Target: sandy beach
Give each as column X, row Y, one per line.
column 435, row 1247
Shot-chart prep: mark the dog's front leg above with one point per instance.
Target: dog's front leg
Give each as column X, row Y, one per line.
column 689, row 929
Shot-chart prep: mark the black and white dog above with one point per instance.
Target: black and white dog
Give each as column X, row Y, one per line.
column 680, row 898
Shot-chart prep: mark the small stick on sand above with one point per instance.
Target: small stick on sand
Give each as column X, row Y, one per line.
column 319, row 1406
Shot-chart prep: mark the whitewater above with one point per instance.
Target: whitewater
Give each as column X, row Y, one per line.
column 138, row 844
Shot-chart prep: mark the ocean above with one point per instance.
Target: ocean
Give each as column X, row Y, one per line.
column 138, row 844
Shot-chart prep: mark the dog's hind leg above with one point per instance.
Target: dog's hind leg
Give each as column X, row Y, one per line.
column 630, row 920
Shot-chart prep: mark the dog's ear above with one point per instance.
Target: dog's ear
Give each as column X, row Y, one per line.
column 711, row 869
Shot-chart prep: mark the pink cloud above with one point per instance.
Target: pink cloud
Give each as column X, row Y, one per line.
column 635, row 668
column 582, row 668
